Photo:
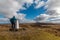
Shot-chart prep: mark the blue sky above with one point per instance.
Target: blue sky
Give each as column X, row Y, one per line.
column 32, row 12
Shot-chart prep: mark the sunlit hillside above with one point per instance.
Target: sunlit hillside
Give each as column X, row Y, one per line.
column 30, row 32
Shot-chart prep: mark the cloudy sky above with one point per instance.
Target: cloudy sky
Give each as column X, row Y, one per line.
column 28, row 11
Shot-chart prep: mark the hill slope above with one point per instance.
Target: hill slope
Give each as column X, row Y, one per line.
column 32, row 34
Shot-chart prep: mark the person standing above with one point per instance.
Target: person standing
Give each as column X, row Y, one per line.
column 13, row 22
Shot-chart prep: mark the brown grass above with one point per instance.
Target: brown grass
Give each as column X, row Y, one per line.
column 32, row 32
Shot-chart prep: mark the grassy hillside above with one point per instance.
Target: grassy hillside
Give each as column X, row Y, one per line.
column 27, row 35
column 31, row 33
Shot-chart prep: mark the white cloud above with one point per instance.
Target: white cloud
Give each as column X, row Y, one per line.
column 40, row 4
column 25, row 1
column 54, row 8
column 8, row 8
column 53, row 12
column 41, row 18
column 27, row 21
column 4, row 20
column 53, row 3
column 21, row 16
column 50, row 16
column 21, row 2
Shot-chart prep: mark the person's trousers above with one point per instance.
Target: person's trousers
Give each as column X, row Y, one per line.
column 13, row 26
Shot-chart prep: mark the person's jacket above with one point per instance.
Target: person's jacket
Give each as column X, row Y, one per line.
column 13, row 20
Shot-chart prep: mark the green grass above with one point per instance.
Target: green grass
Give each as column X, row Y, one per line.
column 27, row 35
